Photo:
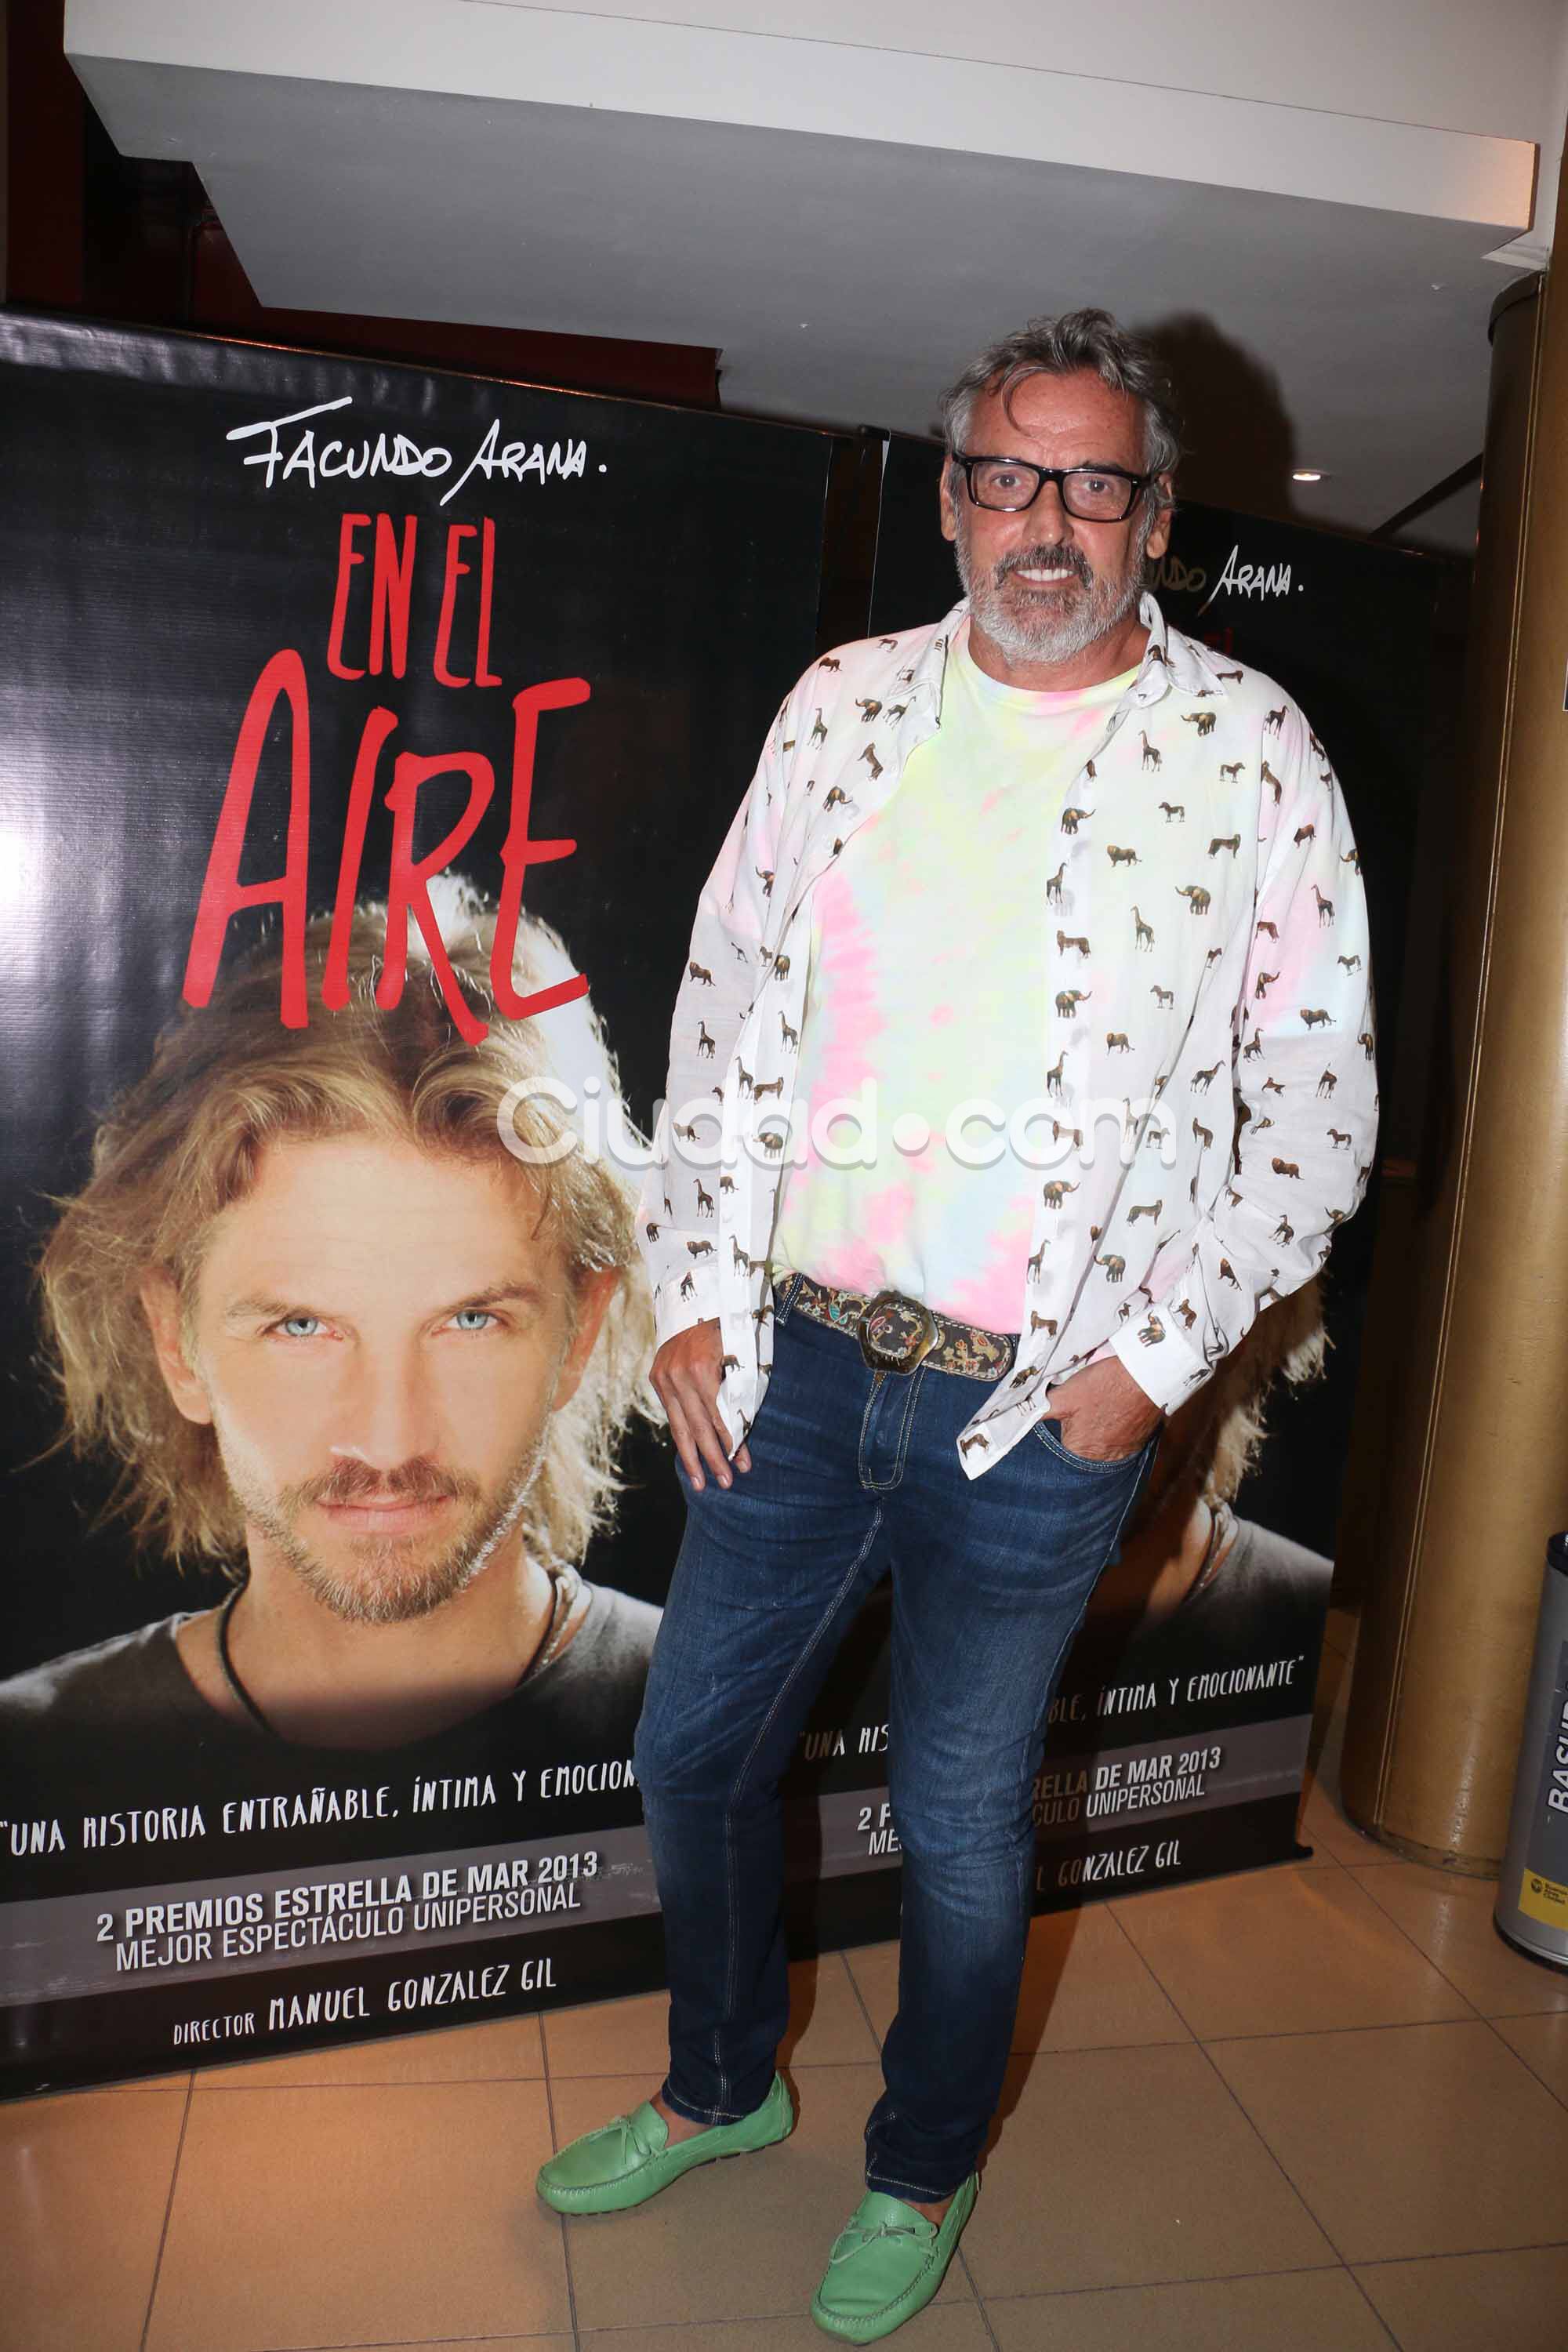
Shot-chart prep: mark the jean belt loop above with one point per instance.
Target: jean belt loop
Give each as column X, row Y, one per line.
column 784, row 1290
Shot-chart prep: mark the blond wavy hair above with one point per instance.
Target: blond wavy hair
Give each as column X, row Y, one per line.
column 185, row 1142
column 1228, row 1418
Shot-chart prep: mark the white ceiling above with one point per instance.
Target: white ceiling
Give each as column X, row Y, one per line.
column 845, row 276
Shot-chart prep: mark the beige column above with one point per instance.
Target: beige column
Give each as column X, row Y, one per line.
column 1475, row 1474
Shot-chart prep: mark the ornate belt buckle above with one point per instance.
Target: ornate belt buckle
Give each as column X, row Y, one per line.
column 896, row 1334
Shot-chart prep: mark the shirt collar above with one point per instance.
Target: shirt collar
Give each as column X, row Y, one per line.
column 1170, row 659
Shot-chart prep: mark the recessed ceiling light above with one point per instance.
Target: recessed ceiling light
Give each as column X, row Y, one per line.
column 1305, row 475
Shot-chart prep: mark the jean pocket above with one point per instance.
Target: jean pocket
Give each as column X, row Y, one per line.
column 1048, row 1432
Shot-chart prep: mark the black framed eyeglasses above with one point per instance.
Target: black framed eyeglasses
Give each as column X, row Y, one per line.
column 1091, row 493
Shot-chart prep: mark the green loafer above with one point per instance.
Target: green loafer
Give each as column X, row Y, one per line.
column 631, row 2158
column 887, row 2265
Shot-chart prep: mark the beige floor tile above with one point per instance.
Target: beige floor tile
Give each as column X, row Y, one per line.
column 1283, row 1951
column 360, row 2214
column 498, row 2049
column 734, row 2241
column 1118, row 2168
column 84, row 2186
column 1543, row 2043
column 1423, row 2139
column 1303, row 2311
column 1475, row 2302
column 1322, row 1824
column 827, row 2028
column 1450, row 1919
column 940, row 2328
column 1084, row 1987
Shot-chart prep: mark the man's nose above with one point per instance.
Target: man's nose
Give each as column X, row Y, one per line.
column 386, row 1415
column 1049, row 515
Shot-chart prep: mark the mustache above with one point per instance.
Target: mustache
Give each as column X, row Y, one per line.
column 416, row 1481
column 1049, row 556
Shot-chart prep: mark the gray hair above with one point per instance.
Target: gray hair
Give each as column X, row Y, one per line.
column 1068, row 344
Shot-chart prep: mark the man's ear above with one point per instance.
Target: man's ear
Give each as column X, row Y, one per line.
column 1159, row 537
column 594, row 1292
column 945, row 499
column 160, row 1305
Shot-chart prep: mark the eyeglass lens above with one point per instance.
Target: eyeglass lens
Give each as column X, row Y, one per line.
column 1092, row 497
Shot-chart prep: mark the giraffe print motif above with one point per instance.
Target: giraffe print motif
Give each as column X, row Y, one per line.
column 1214, row 755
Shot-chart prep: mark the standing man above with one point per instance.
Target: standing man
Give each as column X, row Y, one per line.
column 1061, row 916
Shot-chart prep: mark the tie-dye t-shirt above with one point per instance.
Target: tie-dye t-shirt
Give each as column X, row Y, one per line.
column 928, row 989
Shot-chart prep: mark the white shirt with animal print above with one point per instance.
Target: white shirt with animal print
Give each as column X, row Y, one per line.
column 1208, row 1057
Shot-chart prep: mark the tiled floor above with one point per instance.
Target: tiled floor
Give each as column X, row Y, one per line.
column 1319, row 2108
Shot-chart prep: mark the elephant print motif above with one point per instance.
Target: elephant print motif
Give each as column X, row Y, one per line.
column 1172, row 1032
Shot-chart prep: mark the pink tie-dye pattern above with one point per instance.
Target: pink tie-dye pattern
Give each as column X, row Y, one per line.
column 955, row 1236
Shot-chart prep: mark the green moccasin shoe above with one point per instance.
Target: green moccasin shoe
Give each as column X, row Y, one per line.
column 631, row 2158
column 887, row 2265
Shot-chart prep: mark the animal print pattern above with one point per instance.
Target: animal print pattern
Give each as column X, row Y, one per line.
column 1214, row 875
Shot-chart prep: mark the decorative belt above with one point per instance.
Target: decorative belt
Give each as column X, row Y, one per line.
column 899, row 1334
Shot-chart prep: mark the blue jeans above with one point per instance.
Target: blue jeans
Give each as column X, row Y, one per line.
column 852, row 1473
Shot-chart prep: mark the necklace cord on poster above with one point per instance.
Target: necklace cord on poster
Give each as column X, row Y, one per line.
column 566, row 1584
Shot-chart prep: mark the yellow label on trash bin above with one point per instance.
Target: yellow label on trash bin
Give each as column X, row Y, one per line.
column 1544, row 1899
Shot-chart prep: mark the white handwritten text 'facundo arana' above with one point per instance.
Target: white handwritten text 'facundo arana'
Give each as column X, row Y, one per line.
column 327, row 460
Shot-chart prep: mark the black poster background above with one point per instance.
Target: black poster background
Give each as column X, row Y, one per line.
column 149, row 573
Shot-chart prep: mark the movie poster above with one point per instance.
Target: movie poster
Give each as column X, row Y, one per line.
column 1179, row 1733
column 365, row 738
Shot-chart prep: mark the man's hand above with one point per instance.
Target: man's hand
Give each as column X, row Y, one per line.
column 1104, row 1414
column 687, row 1375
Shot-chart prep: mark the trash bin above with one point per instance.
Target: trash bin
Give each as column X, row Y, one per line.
column 1531, row 1911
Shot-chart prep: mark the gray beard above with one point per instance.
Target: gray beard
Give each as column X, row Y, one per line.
column 1046, row 635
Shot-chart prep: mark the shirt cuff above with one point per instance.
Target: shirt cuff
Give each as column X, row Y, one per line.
column 1160, row 1359
column 673, row 1313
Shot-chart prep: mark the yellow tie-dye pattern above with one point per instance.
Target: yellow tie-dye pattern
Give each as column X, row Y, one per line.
column 929, row 990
